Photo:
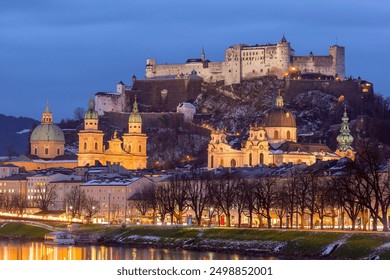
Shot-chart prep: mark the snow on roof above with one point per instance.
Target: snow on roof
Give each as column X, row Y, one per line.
column 111, row 182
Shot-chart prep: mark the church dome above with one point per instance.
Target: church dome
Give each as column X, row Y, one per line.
column 279, row 116
column 91, row 114
column 47, row 133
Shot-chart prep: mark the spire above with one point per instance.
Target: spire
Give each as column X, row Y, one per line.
column 344, row 139
column 203, row 55
column 135, row 117
column 279, row 100
column 47, row 110
column 283, row 39
column 47, row 116
column 135, row 105
column 91, row 113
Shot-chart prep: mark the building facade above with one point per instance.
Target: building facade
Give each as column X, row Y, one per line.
column 129, row 152
column 245, row 62
column 275, row 144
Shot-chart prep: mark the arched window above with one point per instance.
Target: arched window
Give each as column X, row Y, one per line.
column 233, row 163
column 129, row 148
column 139, row 148
column 58, row 151
column 276, row 134
column 35, row 151
column 212, row 162
column 85, row 145
column 261, row 158
column 288, row 135
column 96, row 146
column 46, row 151
column 250, row 159
column 221, row 164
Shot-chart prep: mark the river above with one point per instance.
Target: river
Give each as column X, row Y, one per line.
column 35, row 250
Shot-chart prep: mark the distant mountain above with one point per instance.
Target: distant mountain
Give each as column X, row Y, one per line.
column 14, row 134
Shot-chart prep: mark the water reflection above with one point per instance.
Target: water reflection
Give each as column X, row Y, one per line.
column 15, row 250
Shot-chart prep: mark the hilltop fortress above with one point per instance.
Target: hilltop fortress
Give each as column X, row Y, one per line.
column 245, row 62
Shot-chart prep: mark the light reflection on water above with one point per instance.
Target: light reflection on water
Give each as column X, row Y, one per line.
column 33, row 250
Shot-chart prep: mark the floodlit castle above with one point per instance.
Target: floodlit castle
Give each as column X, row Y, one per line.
column 275, row 143
column 246, row 62
column 129, row 152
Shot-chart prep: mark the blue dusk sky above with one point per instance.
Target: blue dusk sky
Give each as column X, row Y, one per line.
column 65, row 50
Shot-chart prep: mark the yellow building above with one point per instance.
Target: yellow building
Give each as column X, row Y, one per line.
column 273, row 144
column 129, row 152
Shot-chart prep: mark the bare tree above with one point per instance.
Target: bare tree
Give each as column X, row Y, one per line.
column 44, row 196
column 224, row 194
column 91, row 207
column 143, row 200
column 265, row 193
column 75, row 199
column 19, row 202
column 179, row 184
column 6, row 202
column 198, row 192
column 373, row 186
column 281, row 205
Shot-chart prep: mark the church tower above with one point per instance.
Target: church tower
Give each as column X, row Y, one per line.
column 134, row 142
column 256, row 147
column 91, row 138
column 345, row 139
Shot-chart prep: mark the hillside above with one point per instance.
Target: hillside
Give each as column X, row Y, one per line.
column 14, row 134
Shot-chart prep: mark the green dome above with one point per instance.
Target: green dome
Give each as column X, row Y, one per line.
column 135, row 117
column 91, row 113
column 47, row 133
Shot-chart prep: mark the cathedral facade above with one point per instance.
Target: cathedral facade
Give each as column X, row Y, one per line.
column 275, row 143
column 129, row 152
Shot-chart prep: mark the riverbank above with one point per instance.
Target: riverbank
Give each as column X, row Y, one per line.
column 282, row 244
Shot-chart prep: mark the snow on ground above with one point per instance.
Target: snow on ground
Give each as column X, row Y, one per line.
column 331, row 247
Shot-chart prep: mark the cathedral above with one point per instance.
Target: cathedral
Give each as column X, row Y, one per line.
column 129, row 152
column 47, row 147
column 275, row 143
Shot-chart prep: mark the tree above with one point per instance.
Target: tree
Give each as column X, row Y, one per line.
column 224, row 194
column 198, row 193
column 178, row 185
column 281, row 205
column 19, row 203
column 78, row 113
column 75, row 199
column 265, row 193
column 44, row 196
column 6, row 202
column 91, row 207
column 143, row 200
column 372, row 185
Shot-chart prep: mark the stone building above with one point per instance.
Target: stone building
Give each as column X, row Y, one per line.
column 275, row 144
column 129, row 152
column 245, row 62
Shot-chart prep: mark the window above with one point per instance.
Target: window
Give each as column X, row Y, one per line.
column 46, row 151
column 276, row 134
column 139, row 148
column 85, row 145
column 212, row 161
column 58, row 151
column 96, row 146
column 221, row 163
column 288, row 135
column 261, row 158
column 35, row 151
column 250, row 159
column 233, row 163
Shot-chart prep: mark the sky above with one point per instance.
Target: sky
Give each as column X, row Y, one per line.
column 64, row 51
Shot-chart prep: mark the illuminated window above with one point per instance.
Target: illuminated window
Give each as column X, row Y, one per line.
column 233, row 163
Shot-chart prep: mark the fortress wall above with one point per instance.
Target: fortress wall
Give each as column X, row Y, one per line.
column 150, row 96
